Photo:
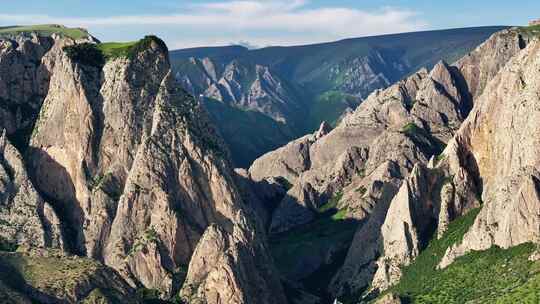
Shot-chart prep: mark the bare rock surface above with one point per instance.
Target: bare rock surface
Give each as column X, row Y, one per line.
column 221, row 269
column 23, row 82
column 497, row 138
column 416, row 117
column 25, row 217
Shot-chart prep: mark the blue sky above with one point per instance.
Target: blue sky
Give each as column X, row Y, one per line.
column 186, row 23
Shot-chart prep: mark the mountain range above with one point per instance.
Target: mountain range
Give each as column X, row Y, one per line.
column 261, row 99
column 117, row 184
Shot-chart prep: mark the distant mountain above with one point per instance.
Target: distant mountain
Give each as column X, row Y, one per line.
column 299, row 87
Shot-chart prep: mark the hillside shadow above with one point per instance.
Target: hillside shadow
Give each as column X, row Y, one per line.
column 12, row 278
column 312, row 253
column 61, row 196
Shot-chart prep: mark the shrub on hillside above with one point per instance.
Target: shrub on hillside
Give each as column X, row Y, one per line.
column 86, row 54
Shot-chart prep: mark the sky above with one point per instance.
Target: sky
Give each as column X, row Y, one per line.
column 259, row 23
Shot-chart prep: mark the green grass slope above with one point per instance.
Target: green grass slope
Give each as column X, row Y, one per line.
column 530, row 31
column 329, row 107
column 492, row 276
column 48, row 274
column 44, row 30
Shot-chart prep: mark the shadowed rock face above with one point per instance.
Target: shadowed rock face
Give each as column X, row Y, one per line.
column 23, row 84
column 25, row 218
column 136, row 173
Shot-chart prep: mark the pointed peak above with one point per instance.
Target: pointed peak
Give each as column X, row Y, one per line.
column 439, row 68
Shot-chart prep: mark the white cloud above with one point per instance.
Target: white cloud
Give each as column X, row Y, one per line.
column 283, row 22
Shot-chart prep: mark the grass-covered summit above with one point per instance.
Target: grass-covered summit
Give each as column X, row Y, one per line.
column 492, row 276
column 97, row 54
column 44, row 30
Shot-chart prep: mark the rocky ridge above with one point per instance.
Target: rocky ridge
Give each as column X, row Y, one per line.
column 299, row 87
column 122, row 173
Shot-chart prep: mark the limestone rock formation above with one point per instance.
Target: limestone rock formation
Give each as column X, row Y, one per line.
column 252, row 87
column 25, row 217
column 358, row 146
column 497, row 140
column 135, row 170
column 221, row 269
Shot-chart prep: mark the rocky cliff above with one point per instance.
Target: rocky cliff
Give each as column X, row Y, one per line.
column 435, row 190
column 375, row 163
column 129, row 171
column 502, row 127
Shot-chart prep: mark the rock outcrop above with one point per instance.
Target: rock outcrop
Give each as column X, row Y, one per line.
column 23, row 83
column 136, row 173
column 252, row 87
column 417, row 116
column 498, row 138
column 221, row 270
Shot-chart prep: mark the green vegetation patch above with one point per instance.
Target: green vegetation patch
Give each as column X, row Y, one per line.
column 6, row 245
column 105, row 296
column 45, row 272
column 99, row 180
column 492, row 276
column 411, row 129
column 417, row 277
column 423, row 138
column 244, row 141
column 530, row 31
column 331, row 204
column 96, row 55
column 116, row 49
column 45, row 30
column 149, row 236
column 112, row 50
column 362, row 190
